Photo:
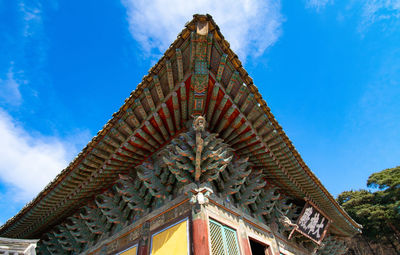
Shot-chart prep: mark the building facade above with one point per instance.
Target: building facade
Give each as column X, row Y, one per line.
column 11, row 246
column 194, row 162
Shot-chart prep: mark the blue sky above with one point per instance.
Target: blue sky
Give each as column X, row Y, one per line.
column 329, row 70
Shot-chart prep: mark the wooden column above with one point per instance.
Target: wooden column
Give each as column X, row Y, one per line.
column 200, row 240
column 143, row 250
column 144, row 242
column 274, row 249
column 244, row 243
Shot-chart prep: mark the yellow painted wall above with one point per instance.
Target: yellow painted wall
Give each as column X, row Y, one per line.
column 131, row 251
column 173, row 240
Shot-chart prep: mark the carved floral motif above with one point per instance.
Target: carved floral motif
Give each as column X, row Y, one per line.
column 79, row 230
column 197, row 156
column 111, row 206
column 159, row 181
column 134, row 193
column 94, row 219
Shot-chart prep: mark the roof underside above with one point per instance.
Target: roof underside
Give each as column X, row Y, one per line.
column 15, row 245
column 155, row 113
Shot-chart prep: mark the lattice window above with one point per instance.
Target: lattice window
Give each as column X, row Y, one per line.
column 223, row 240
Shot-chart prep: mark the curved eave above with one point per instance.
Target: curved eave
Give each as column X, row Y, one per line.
column 62, row 203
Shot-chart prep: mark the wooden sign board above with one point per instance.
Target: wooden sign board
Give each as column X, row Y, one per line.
column 312, row 223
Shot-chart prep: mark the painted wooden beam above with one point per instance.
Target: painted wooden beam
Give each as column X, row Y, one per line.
column 168, row 118
column 158, row 88
column 177, row 111
column 139, row 106
column 149, row 139
column 170, row 76
column 213, row 101
column 149, row 99
column 131, row 118
column 221, row 67
column 209, row 48
column 184, row 109
column 225, row 118
column 153, row 132
column 160, row 125
column 236, row 123
column 179, row 64
column 234, row 79
column 218, row 111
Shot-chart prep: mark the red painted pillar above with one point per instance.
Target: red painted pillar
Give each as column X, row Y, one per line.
column 144, row 242
column 143, row 250
column 200, row 240
column 244, row 243
column 243, row 239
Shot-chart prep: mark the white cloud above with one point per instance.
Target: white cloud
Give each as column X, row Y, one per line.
column 370, row 11
column 250, row 26
column 375, row 11
column 318, row 4
column 32, row 16
column 31, row 40
column 9, row 89
column 29, row 162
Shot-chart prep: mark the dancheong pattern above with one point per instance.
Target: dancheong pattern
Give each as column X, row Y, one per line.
column 196, row 118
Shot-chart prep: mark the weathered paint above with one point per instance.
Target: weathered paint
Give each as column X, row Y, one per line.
column 143, row 250
column 200, row 241
column 245, row 244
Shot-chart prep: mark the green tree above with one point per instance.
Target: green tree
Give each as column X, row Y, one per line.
column 378, row 210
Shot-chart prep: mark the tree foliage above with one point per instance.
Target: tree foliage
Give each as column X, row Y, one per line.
column 378, row 210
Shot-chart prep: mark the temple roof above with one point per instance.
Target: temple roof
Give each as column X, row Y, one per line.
column 13, row 246
column 156, row 108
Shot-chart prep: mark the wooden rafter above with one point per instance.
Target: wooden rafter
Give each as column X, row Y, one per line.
column 157, row 111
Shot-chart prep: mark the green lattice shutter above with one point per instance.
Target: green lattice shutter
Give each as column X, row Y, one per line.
column 223, row 240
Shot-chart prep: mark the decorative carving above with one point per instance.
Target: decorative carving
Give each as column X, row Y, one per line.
column 41, row 249
column 235, row 175
column 266, row 201
column 134, row 193
column 221, row 67
column 198, row 126
column 199, row 79
column 79, row 230
column 111, row 247
column 65, row 239
column 94, row 219
column 251, row 189
column 159, row 181
column 200, row 195
column 197, row 149
column 283, row 214
column 195, row 156
column 111, row 205
column 52, row 244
